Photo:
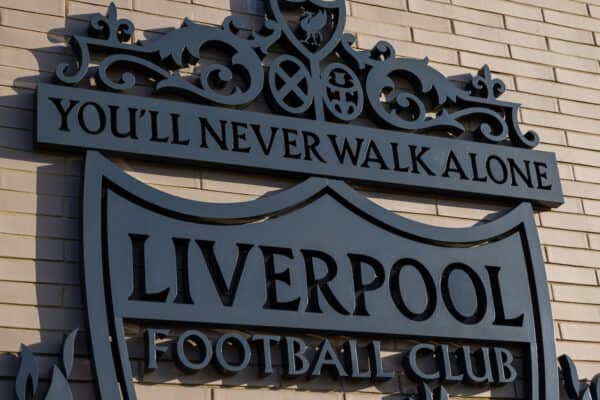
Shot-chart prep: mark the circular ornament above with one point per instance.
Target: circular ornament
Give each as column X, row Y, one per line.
column 289, row 85
column 343, row 95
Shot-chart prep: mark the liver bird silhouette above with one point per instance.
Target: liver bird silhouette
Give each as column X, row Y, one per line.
column 312, row 24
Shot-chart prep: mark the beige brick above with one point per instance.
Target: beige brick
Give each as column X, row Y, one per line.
column 17, row 78
column 39, row 271
column 548, row 135
column 29, row 247
column 508, row 66
column 585, row 141
column 594, row 241
column 32, row 162
column 400, row 17
column 582, row 332
column 572, row 155
column 141, row 20
column 503, row 7
column 576, row 257
column 591, row 207
column 551, row 58
column 579, row 351
column 380, row 29
column 574, row 222
column 455, row 13
column 30, row 294
column 575, row 49
column 42, row 183
column 30, row 203
column 531, row 100
column 32, row 60
column 162, row 174
column 226, row 394
column 17, row 180
column 566, row 274
column 230, row 182
column 577, row 294
column 196, row 13
column 560, row 121
column 246, row 6
column 52, row 7
column 460, row 42
column 580, row 109
column 575, row 312
column 408, row 49
column 30, row 40
column 172, row 392
column 587, row 174
column 118, row 3
column 30, row 21
column 179, row 10
column 595, row 11
column 16, row 316
column 581, row 189
column 587, row 369
column 41, row 226
column 568, row 6
column 575, row 21
column 550, row 30
column 558, row 237
column 44, row 341
column 469, row 210
column 402, row 203
column 396, row 4
column 499, row 35
column 16, row 98
column 16, row 139
column 578, row 78
column 565, row 172
column 571, row 205
column 16, row 118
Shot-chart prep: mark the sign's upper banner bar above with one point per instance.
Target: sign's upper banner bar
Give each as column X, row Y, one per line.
column 196, row 133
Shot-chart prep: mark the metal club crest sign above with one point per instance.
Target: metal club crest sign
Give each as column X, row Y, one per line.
column 318, row 258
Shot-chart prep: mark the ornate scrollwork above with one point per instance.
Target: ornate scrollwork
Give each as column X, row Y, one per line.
column 162, row 59
column 431, row 92
column 396, row 93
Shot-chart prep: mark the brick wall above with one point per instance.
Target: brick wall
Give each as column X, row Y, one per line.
column 546, row 51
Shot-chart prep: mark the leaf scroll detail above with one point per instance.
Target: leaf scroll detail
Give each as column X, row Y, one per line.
column 59, row 387
column 69, row 352
column 28, row 375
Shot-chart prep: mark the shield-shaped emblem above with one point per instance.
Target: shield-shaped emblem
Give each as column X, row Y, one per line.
column 484, row 284
column 317, row 31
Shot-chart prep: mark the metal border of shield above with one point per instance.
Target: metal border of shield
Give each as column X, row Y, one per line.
column 111, row 360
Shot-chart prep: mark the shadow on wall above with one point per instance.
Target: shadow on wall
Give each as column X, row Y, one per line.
column 55, row 245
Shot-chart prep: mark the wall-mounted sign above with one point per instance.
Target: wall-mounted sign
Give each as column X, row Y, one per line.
column 406, row 100
column 317, row 258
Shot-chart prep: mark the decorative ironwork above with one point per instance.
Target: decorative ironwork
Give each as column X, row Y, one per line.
column 397, row 93
column 347, row 233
